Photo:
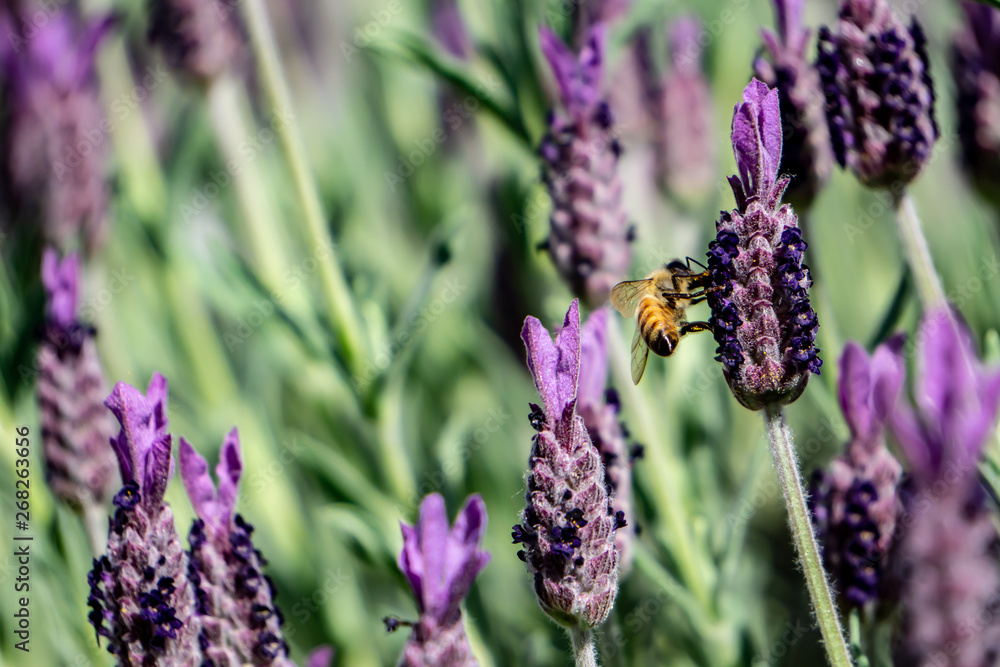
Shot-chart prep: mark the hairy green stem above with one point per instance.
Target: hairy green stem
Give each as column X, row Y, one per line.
column 786, row 461
column 344, row 315
column 918, row 256
column 584, row 651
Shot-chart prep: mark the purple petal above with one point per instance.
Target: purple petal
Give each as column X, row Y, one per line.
column 320, row 657
column 411, row 562
column 433, row 529
column 790, row 23
column 593, row 358
column 159, row 469
column 61, row 282
column 685, row 47
column 463, row 558
column 578, row 78
column 888, row 371
column 554, row 366
column 855, row 389
column 913, row 441
column 756, row 136
column 197, row 482
column 228, row 472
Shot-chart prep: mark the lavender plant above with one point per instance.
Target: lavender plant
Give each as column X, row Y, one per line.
column 569, row 525
column 441, row 564
column 201, row 39
column 589, row 236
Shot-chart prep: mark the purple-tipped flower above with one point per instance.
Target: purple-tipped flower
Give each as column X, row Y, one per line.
column 57, row 169
column 879, row 93
column 946, row 557
column 599, row 408
column 441, row 563
column 761, row 315
column 590, row 235
column 199, row 37
column 569, row 525
column 76, row 427
column 976, row 67
column 855, row 505
column 685, row 150
column 140, row 596
column 807, row 157
column 240, row 623
column 449, row 28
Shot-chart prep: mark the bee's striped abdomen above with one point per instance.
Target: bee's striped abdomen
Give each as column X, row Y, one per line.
column 657, row 327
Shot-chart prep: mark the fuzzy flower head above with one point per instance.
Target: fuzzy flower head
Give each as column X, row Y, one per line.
column 807, row 157
column 598, row 405
column 879, row 93
column 685, row 144
column 441, row 563
column 855, row 503
column 589, row 235
column 947, row 556
column 53, row 107
column 240, row 623
column 568, row 528
column 761, row 315
column 76, row 427
column 140, row 597
column 976, row 68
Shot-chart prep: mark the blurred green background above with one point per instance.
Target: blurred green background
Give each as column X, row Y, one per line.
column 443, row 266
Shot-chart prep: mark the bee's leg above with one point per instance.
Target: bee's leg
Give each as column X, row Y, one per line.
column 692, row 327
column 688, row 296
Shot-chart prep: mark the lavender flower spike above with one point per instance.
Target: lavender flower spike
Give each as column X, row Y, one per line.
column 685, row 142
column 56, row 170
column 807, row 156
column 976, row 67
column 879, row 94
column 569, row 526
column 140, row 596
column 240, row 624
column 761, row 315
column 199, row 37
column 589, row 236
column 441, row 564
column 79, row 462
column 947, row 561
column 599, row 408
column 855, row 504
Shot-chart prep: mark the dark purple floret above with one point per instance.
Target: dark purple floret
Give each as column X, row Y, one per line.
column 879, row 94
column 199, row 37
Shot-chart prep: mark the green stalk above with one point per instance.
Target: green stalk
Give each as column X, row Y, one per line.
column 918, row 256
column 343, row 311
column 786, row 461
column 95, row 524
column 584, row 651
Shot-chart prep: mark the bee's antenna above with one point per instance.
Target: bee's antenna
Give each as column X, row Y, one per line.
column 691, row 259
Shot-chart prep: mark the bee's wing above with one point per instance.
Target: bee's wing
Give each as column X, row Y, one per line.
column 640, row 353
column 625, row 296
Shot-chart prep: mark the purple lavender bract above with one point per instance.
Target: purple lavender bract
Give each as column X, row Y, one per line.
column 879, row 94
column 761, row 315
column 240, row 624
column 76, row 427
column 589, row 236
column 441, row 565
column 976, row 67
column 947, row 561
column 568, row 528
column 56, row 169
column 807, row 157
column 854, row 503
column 140, row 597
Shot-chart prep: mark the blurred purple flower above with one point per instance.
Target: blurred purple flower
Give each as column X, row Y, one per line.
column 199, row 37
column 569, row 525
column 976, row 68
column 449, row 28
column 947, row 562
column 879, row 93
column 807, row 157
column 589, row 236
column 599, row 408
column 855, row 503
column 441, row 564
column 240, row 623
column 685, row 145
column 140, row 597
column 761, row 315
column 55, row 133
column 79, row 462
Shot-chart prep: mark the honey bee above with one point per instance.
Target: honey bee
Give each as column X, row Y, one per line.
column 658, row 302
